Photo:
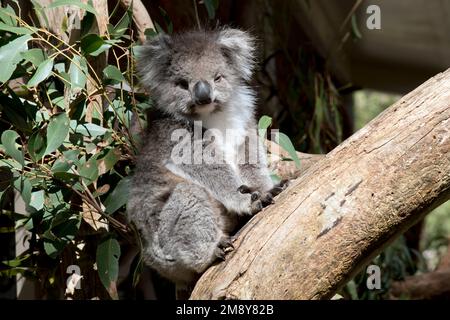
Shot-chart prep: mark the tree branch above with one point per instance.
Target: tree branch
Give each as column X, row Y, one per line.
column 345, row 208
column 141, row 17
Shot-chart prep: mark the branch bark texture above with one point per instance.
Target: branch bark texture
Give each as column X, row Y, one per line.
column 345, row 208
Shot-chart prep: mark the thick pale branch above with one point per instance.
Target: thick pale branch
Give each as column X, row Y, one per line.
column 141, row 17
column 346, row 207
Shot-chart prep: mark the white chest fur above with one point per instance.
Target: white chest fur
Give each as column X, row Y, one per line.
column 231, row 124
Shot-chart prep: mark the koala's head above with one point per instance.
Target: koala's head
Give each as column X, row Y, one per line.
column 197, row 73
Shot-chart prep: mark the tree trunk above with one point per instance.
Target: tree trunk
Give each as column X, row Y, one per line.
column 345, row 208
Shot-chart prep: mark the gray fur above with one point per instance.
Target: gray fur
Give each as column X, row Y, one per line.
column 184, row 211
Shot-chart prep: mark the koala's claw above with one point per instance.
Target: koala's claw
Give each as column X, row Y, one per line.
column 220, row 253
column 226, row 243
column 267, row 199
column 256, row 206
column 244, row 189
column 279, row 187
column 255, row 196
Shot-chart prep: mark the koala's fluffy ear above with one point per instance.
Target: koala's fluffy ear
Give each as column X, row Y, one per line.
column 152, row 57
column 239, row 47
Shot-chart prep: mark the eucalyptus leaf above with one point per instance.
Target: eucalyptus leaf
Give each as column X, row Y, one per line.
column 17, row 30
column 10, row 56
column 211, row 7
column 87, row 129
column 23, row 185
column 61, row 165
column 78, row 72
column 93, row 44
column 57, row 131
column 37, row 199
column 43, row 72
column 122, row 26
column 108, row 254
column 284, row 141
column 35, row 56
column 8, row 139
column 36, row 146
column 264, row 123
column 355, row 30
column 8, row 16
column 118, row 197
column 89, row 171
column 111, row 72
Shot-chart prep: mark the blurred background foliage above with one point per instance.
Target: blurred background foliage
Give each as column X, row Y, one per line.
column 68, row 96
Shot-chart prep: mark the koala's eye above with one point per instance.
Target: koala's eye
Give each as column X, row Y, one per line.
column 218, row 78
column 182, row 83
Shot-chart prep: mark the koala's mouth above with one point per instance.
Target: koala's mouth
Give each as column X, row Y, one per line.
column 205, row 109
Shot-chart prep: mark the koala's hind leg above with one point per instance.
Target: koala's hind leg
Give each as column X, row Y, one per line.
column 190, row 231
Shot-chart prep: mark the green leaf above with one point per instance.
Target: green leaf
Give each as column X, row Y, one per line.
column 35, row 56
column 211, row 7
column 61, row 165
column 23, row 185
column 78, row 72
column 17, row 262
column 57, row 131
column 355, row 30
column 264, row 123
column 108, row 254
column 10, row 56
column 87, row 23
column 67, row 177
column 36, row 146
column 52, row 248
column 37, row 200
column 89, row 171
column 77, row 3
column 43, row 72
column 150, row 33
column 118, row 197
column 122, row 26
column 284, row 141
column 8, row 139
column 109, row 160
column 10, row 163
column 87, row 129
column 111, row 72
column 72, row 155
column 17, row 30
column 93, row 44
column 8, row 16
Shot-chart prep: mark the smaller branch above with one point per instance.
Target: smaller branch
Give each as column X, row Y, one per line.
column 141, row 17
column 429, row 285
column 288, row 169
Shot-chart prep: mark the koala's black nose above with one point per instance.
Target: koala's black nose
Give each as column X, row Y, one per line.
column 202, row 92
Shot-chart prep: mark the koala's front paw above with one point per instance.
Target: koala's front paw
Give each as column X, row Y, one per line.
column 255, row 204
column 224, row 246
column 244, row 201
column 267, row 197
column 276, row 190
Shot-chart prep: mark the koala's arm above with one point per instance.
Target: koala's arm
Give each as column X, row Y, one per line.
column 223, row 184
column 253, row 166
column 254, row 170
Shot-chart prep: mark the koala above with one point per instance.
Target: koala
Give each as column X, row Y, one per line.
column 185, row 210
